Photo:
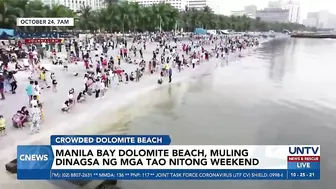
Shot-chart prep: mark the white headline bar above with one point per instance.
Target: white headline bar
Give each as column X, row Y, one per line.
column 177, row 157
column 45, row 22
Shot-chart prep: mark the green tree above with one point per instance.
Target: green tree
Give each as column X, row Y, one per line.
column 124, row 16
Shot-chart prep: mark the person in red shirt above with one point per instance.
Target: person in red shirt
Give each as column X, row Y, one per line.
column 86, row 63
column 105, row 65
column 125, row 52
column 54, row 53
column 104, row 79
column 20, row 44
column 206, row 55
column 121, row 53
column 119, row 74
column 31, row 57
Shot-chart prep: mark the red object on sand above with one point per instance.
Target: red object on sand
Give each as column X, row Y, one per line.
column 28, row 41
column 118, row 71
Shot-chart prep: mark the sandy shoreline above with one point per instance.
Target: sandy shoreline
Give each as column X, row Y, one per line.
column 86, row 117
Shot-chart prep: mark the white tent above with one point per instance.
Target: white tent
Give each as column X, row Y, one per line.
column 225, row 31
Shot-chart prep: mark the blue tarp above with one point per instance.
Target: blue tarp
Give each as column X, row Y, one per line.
column 9, row 33
column 6, row 33
column 200, row 31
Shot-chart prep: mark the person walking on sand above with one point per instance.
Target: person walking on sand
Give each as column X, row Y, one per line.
column 170, row 73
column 137, row 75
column 71, row 98
column 37, row 90
column 102, row 89
column 43, row 78
column 193, row 62
column 2, row 125
column 126, row 78
column 97, row 86
column 2, row 86
column 66, row 63
column 30, row 91
column 12, row 81
column 35, row 117
column 53, row 81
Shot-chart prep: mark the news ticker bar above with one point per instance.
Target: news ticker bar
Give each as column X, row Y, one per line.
column 28, row 35
column 29, row 41
column 235, row 174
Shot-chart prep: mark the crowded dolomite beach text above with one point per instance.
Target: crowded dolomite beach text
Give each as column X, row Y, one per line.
column 109, row 140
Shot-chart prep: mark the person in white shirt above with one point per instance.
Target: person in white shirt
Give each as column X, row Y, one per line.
column 86, row 81
column 37, row 90
column 66, row 106
column 66, row 62
column 70, row 97
column 33, row 102
column 11, row 66
column 102, row 89
column 111, row 77
column 71, row 100
column 36, row 117
column 26, row 63
column 35, row 54
column 193, row 62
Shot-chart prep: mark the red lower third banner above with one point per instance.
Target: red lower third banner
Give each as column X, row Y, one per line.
column 27, row 41
column 303, row 158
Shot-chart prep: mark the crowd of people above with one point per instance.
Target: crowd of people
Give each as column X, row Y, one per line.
column 103, row 70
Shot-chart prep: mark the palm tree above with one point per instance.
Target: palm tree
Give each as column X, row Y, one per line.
column 109, row 18
column 9, row 13
column 136, row 14
column 111, row 2
column 125, row 15
column 86, row 20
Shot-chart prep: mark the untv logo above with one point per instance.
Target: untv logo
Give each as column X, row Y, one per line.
column 306, row 150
